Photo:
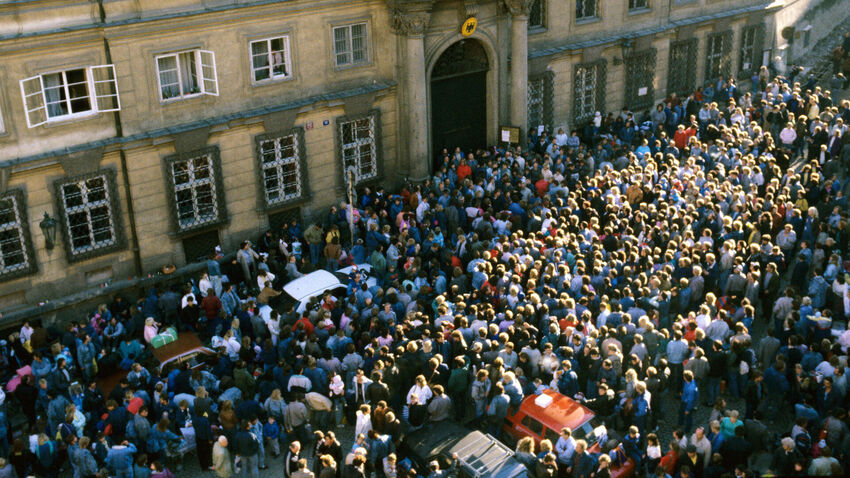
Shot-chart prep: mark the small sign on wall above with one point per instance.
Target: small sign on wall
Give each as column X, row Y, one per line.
column 309, row 126
column 642, row 91
column 326, row 122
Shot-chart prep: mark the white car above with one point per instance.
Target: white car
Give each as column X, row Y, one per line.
column 315, row 284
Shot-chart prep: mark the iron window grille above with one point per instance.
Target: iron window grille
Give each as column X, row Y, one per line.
column 359, row 147
column 283, row 172
column 196, row 189
column 638, row 4
column 586, row 9
column 751, row 45
column 16, row 252
column 681, row 78
column 718, row 55
column 537, row 15
column 89, row 214
column 588, row 90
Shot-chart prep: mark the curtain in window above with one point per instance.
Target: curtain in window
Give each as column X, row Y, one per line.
column 54, row 93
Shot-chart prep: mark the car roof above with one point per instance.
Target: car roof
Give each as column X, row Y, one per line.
column 311, row 284
column 186, row 343
column 562, row 412
column 479, row 454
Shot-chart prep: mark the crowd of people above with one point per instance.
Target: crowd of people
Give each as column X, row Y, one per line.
column 624, row 265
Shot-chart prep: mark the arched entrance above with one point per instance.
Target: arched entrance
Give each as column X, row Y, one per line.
column 459, row 98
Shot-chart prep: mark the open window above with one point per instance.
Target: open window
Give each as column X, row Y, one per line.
column 186, row 74
column 68, row 94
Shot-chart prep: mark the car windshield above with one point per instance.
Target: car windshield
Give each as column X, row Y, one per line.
column 344, row 279
column 286, row 301
column 591, row 431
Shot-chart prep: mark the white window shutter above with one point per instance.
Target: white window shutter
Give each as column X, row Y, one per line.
column 32, row 92
column 209, row 78
column 105, row 88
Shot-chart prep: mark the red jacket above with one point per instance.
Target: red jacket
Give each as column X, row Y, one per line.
column 463, row 171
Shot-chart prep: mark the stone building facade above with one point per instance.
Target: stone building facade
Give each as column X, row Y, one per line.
column 153, row 130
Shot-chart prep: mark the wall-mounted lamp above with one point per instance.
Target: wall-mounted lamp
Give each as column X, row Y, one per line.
column 48, row 228
column 626, row 50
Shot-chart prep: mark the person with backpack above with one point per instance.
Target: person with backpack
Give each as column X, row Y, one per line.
column 47, row 454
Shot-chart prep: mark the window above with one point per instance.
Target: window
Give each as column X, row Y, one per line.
column 351, row 46
column 540, row 100
column 88, row 217
column 718, row 46
column 751, row 39
column 359, row 148
column 589, row 90
column 282, row 171
column 186, row 74
column 533, row 425
column 585, row 9
column 638, row 4
column 195, row 187
column 15, row 246
column 640, row 79
column 537, row 15
column 270, row 59
column 69, row 94
column 2, row 127
column 681, row 77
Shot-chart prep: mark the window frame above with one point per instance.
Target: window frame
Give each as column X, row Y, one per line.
column 40, row 105
column 599, row 93
column 537, row 28
column 545, row 102
column 584, row 4
column 723, row 57
column 633, row 8
column 112, row 202
column 375, row 117
column 216, row 182
column 287, row 59
column 22, row 225
column 367, row 56
column 755, row 53
column 201, row 79
column 300, row 160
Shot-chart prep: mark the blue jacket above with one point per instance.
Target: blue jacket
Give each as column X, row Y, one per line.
column 690, row 395
column 120, row 457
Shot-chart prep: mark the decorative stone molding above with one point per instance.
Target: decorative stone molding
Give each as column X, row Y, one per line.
column 518, row 8
column 410, row 17
column 410, row 23
column 470, row 8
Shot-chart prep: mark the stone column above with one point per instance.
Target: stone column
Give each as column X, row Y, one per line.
column 519, row 64
column 410, row 20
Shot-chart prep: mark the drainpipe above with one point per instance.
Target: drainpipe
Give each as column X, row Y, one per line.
column 125, row 176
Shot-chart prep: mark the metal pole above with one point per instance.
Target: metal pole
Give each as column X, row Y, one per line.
column 350, row 177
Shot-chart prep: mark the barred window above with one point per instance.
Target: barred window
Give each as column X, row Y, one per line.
column 718, row 55
column 536, row 88
column 585, row 9
column 750, row 48
column 281, row 169
column 537, row 15
column 540, row 100
column 586, row 98
column 14, row 248
column 195, row 191
column 88, row 214
column 638, row 4
column 682, row 67
column 359, row 150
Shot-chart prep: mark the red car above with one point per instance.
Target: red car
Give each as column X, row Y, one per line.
column 539, row 420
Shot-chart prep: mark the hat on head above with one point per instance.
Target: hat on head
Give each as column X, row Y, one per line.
column 691, row 449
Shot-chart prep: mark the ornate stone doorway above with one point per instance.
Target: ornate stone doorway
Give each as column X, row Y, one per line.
column 459, row 98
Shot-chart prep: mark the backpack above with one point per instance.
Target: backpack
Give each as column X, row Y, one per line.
column 804, row 443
